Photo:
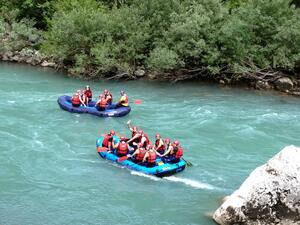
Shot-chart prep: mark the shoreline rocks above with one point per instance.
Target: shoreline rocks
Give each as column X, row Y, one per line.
column 28, row 56
column 269, row 196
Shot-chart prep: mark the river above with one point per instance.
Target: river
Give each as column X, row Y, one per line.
column 50, row 172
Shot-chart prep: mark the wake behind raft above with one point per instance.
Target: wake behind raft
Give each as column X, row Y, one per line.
column 66, row 104
column 160, row 170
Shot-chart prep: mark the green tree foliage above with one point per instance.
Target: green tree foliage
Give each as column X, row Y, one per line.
column 95, row 37
column 14, row 34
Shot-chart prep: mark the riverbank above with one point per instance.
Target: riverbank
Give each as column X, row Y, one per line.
column 262, row 80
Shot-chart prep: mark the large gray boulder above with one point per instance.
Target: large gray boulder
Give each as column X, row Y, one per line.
column 284, row 84
column 270, row 195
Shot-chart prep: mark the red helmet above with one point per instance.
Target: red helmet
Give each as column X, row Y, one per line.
column 157, row 135
column 176, row 143
column 112, row 132
column 122, row 138
column 167, row 140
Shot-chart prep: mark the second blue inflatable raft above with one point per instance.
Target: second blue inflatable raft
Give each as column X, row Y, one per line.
column 66, row 104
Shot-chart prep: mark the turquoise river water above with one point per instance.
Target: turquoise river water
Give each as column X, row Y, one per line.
column 50, row 172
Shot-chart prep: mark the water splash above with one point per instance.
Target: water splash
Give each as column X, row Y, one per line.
column 192, row 183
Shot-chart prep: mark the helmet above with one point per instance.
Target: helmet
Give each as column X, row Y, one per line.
column 140, row 132
column 122, row 138
column 167, row 140
column 134, row 128
column 157, row 135
column 122, row 92
column 112, row 132
column 87, row 87
column 176, row 143
column 101, row 96
column 78, row 91
column 105, row 91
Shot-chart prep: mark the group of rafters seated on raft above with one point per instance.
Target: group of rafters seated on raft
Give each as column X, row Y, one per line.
column 140, row 150
column 83, row 97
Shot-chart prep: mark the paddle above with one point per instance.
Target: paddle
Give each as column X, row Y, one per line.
column 188, row 163
column 102, row 149
column 137, row 101
column 123, row 158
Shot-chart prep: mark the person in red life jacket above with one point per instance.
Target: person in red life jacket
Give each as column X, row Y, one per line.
column 175, row 153
column 108, row 96
column 138, row 154
column 76, row 99
column 123, row 101
column 101, row 103
column 136, row 139
column 108, row 140
column 150, row 156
column 122, row 148
column 88, row 93
column 133, row 129
column 159, row 144
column 169, row 149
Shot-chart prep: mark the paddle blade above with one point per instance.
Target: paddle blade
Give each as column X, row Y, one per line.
column 123, row 158
column 102, row 149
column 137, row 101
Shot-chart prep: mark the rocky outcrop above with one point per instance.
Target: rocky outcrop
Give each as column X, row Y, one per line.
column 29, row 56
column 269, row 196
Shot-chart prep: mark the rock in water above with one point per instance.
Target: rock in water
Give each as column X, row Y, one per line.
column 270, row 195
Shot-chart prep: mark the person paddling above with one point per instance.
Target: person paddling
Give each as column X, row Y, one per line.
column 138, row 154
column 174, row 153
column 159, row 144
column 108, row 140
column 108, row 96
column 88, row 93
column 150, row 156
column 101, row 103
column 122, row 148
column 77, row 99
column 123, row 101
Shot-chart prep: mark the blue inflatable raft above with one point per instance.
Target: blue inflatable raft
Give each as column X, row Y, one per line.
column 65, row 103
column 161, row 170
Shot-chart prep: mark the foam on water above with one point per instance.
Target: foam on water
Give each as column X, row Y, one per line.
column 189, row 182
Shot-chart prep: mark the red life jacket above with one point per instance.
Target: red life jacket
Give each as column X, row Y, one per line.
column 122, row 148
column 106, row 140
column 178, row 151
column 88, row 93
column 140, row 156
column 151, row 157
column 76, row 100
column 102, row 103
column 161, row 148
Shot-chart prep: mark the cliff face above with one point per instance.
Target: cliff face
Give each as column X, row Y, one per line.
column 270, row 195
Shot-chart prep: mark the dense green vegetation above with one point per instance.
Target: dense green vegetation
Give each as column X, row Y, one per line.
column 95, row 38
